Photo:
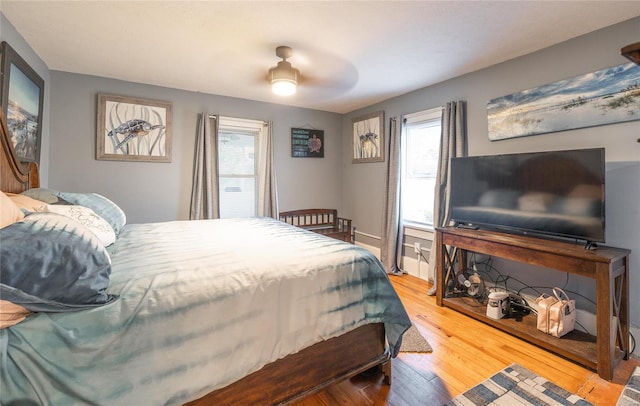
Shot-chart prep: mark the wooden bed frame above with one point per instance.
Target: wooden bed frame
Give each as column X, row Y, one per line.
column 15, row 176
column 284, row 381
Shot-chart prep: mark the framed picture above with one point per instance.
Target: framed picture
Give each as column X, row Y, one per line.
column 603, row 97
column 22, row 103
column 367, row 140
column 133, row 129
column 307, row 143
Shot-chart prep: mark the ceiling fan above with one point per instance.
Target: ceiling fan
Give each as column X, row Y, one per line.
column 284, row 77
column 325, row 77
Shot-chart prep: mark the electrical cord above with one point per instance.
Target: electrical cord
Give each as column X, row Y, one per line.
column 423, row 257
column 551, row 288
column 487, row 264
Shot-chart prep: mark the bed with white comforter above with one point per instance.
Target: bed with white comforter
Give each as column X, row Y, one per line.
column 199, row 305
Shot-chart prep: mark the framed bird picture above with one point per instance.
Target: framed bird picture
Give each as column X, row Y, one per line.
column 133, row 129
column 367, row 139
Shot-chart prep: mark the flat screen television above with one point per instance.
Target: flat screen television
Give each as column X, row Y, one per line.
column 548, row 194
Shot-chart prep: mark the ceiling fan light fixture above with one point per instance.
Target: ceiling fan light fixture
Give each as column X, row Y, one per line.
column 283, row 77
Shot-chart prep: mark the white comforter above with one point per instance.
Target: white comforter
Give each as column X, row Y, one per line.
column 202, row 304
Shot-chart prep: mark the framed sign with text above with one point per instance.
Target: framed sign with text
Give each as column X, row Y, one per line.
column 307, row 143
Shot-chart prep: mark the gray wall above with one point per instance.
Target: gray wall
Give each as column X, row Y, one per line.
column 363, row 183
column 9, row 34
column 151, row 192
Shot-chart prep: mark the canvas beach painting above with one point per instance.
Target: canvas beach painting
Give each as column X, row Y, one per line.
column 604, row 97
column 22, row 103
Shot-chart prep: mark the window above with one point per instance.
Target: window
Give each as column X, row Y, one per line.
column 421, row 148
column 238, row 142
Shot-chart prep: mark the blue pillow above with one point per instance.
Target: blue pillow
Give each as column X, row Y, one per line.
column 52, row 263
column 102, row 206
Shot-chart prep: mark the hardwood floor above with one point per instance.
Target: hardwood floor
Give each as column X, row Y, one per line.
column 465, row 352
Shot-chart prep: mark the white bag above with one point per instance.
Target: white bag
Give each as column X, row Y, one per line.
column 556, row 316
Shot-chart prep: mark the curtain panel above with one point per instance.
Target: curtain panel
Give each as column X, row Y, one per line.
column 391, row 241
column 453, row 144
column 267, row 187
column 204, row 191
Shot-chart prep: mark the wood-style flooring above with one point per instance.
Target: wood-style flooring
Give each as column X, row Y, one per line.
column 465, row 352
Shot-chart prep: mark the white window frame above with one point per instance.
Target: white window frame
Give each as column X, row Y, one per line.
column 413, row 228
column 255, row 128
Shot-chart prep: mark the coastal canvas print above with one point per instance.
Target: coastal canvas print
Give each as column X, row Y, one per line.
column 22, row 103
column 604, row 97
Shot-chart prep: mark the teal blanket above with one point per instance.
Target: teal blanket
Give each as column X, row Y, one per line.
column 201, row 304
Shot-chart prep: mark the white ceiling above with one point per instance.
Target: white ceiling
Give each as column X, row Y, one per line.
column 350, row 53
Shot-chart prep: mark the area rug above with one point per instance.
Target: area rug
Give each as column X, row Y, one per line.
column 516, row 385
column 413, row 341
column 631, row 393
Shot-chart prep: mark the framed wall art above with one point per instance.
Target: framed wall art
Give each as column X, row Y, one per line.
column 367, row 139
column 22, row 104
column 133, row 129
column 603, row 97
column 306, row 143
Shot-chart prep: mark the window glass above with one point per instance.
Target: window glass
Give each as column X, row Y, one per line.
column 421, row 145
column 237, row 171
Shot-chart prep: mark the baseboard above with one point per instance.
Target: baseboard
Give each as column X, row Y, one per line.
column 409, row 265
column 635, row 331
column 374, row 250
column 412, row 266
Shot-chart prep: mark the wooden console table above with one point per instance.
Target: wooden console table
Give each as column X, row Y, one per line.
column 608, row 266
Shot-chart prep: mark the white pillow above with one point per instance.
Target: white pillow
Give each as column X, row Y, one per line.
column 87, row 218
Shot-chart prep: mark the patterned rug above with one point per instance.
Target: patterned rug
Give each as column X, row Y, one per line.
column 516, row 385
column 413, row 341
column 631, row 393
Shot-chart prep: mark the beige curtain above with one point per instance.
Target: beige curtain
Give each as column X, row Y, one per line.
column 204, row 192
column 267, row 188
column 391, row 241
column 453, row 144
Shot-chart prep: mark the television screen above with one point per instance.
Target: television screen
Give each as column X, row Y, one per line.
column 558, row 193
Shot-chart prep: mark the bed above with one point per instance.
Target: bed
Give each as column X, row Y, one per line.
column 251, row 311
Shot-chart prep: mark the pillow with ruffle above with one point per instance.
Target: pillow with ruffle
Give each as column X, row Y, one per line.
column 51, row 263
column 102, row 206
column 87, row 218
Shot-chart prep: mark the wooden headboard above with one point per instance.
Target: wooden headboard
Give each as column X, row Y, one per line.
column 15, row 176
